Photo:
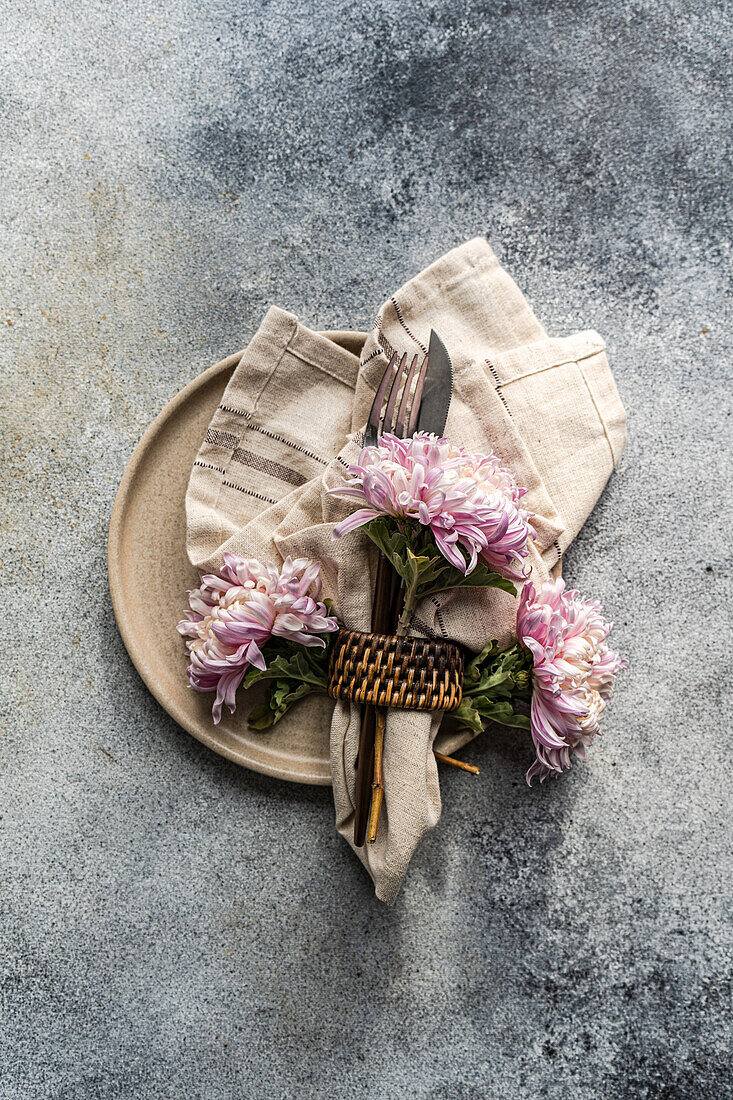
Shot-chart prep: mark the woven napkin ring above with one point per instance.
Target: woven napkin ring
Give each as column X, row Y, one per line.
column 406, row 673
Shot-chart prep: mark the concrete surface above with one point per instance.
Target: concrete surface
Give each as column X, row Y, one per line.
column 173, row 926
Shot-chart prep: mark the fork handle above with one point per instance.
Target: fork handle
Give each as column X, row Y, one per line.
column 381, row 604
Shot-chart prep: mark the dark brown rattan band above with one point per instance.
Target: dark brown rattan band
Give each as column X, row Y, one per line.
column 406, row 673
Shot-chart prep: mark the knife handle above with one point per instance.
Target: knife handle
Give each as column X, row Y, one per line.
column 381, row 605
column 364, row 773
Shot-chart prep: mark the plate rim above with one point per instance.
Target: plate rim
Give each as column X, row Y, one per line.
column 343, row 337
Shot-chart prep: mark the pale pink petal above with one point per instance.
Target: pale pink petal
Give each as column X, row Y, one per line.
column 448, row 490
column 356, row 519
column 233, row 615
column 573, row 672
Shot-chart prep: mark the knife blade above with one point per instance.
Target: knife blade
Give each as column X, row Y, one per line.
column 437, row 388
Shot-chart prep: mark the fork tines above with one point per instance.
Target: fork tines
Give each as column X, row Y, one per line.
column 398, row 384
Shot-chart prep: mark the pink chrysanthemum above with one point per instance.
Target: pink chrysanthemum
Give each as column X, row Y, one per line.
column 573, row 672
column 234, row 614
column 469, row 502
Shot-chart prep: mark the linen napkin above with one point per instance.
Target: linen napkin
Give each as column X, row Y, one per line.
column 292, row 419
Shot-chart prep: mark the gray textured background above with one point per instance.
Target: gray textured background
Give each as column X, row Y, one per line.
column 173, row 926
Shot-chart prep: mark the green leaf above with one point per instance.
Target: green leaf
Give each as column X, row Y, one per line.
column 390, row 541
column 261, row 717
column 494, row 683
column 301, row 665
column 412, row 550
column 293, row 671
column 487, row 653
column 503, row 713
column 467, row 715
column 480, row 577
column 281, row 697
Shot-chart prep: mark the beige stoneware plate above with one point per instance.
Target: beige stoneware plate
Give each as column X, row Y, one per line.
column 149, row 576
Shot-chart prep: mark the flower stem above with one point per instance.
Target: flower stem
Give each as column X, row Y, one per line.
column 456, row 763
column 378, row 784
column 408, row 608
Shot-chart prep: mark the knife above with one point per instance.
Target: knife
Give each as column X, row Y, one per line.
column 437, row 388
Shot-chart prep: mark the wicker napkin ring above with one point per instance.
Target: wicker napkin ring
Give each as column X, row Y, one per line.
column 406, row 673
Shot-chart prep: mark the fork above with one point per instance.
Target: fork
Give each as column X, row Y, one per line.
column 386, row 415
column 395, row 409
